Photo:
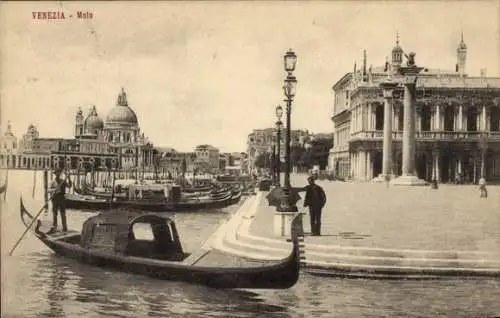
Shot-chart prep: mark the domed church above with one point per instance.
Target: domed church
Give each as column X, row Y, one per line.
column 120, row 130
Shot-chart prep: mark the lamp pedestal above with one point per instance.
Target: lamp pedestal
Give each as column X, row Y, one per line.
column 283, row 222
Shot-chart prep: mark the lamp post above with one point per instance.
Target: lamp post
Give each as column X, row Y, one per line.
column 290, row 60
column 279, row 124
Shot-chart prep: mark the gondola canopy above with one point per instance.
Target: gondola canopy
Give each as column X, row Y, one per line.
column 114, row 232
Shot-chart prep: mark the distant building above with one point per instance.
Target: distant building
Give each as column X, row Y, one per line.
column 457, row 122
column 207, row 158
column 264, row 140
column 225, row 160
column 9, row 148
column 170, row 161
column 115, row 142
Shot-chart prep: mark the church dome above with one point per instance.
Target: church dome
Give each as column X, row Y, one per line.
column 122, row 113
column 93, row 121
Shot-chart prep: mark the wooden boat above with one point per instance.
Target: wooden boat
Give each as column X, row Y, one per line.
column 110, row 240
column 86, row 202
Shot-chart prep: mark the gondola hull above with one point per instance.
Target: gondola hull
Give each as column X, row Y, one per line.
column 277, row 275
column 81, row 202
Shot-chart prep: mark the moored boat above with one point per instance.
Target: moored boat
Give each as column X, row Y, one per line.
column 110, row 240
column 87, row 202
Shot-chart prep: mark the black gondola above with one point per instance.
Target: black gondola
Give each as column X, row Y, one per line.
column 109, row 240
column 85, row 202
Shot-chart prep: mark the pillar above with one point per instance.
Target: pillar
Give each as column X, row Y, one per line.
column 409, row 130
column 438, row 170
column 483, row 119
column 362, row 165
column 437, row 118
column 369, row 117
column 408, row 176
column 387, row 89
column 460, row 120
column 396, row 117
column 369, row 166
column 418, row 119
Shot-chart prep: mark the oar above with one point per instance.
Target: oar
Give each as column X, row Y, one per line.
column 34, row 219
column 6, row 184
column 34, row 184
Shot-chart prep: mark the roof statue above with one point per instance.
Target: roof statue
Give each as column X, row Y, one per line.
column 410, row 59
column 122, row 98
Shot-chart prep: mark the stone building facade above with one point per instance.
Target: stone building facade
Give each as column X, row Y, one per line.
column 98, row 145
column 457, row 122
column 207, row 158
column 263, row 140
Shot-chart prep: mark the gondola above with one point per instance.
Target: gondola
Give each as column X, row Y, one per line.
column 86, row 202
column 109, row 240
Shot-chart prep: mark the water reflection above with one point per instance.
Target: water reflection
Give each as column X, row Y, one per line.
column 57, row 277
column 58, row 287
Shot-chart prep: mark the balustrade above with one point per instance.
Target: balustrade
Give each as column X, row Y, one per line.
column 429, row 135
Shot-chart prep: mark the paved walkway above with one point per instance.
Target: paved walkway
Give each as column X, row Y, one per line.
column 375, row 227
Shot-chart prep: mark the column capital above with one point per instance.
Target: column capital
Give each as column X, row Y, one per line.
column 410, row 80
column 388, row 93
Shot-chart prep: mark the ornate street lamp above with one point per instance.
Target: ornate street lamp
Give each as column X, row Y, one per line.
column 279, row 125
column 290, row 60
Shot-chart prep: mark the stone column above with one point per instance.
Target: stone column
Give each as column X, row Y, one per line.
column 460, row 120
column 483, row 119
column 408, row 174
column 437, row 117
column 369, row 166
column 362, row 165
column 369, row 117
column 388, row 89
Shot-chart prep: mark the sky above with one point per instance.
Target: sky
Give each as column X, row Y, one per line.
column 210, row 72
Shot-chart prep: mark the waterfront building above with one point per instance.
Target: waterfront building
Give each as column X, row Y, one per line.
column 457, row 122
column 170, row 161
column 97, row 144
column 263, row 140
column 224, row 161
column 9, row 148
column 121, row 130
column 207, row 158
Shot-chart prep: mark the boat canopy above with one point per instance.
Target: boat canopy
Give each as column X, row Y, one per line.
column 114, row 232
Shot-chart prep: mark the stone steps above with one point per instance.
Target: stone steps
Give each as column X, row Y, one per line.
column 348, row 261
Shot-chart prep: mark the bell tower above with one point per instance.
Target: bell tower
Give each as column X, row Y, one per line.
column 396, row 56
column 461, row 56
column 79, row 123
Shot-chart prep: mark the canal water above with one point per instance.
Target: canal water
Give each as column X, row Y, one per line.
column 36, row 283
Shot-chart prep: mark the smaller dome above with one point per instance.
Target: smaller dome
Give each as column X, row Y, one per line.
column 9, row 133
column 93, row 121
column 79, row 112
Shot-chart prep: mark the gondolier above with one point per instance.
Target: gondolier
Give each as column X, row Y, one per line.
column 58, row 190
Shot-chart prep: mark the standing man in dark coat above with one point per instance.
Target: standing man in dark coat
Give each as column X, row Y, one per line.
column 58, row 189
column 315, row 199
